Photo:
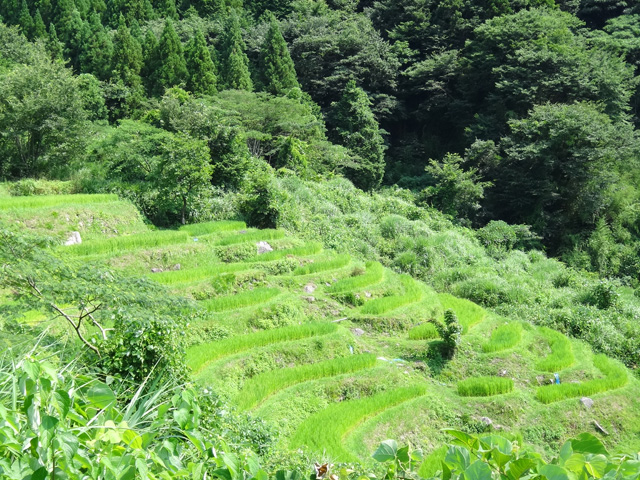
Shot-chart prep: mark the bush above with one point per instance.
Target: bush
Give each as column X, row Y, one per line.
column 29, row 186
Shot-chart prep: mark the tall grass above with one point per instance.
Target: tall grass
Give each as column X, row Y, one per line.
column 433, row 462
column 310, row 248
column 316, row 267
column 615, row 376
column 426, row 331
column 196, row 229
column 325, row 430
column 199, row 273
column 468, row 313
column 503, row 337
column 130, row 242
column 257, row 236
column 561, row 355
column 241, row 300
column 373, row 274
column 484, row 386
column 54, row 200
column 258, row 388
column 201, row 355
column 413, row 293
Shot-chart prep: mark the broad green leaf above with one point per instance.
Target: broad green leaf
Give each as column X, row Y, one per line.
column 518, row 468
column 182, row 416
column 31, row 368
column 596, row 465
column 478, row 471
column 630, row 467
column 39, row 474
column 288, row 475
column 133, row 439
column 61, row 402
column 49, row 423
column 142, row 469
column 458, row 458
column 565, row 452
column 587, row 443
column 467, row 440
column 403, row 454
column 417, row 455
column 501, row 443
column 554, row 472
column 500, row 458
column 68, row 444
column 101, row 396
column 575, row 462
column 386, row 451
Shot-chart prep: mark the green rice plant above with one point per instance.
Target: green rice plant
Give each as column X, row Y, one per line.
column 615, row 376
column 257, row 236
column 258, row 388
column 468, row 313
column 192, row 275
column 199, row 356
column 130, row 242
column 378, row 306
column 561, row 355
column 241, row 300
column 316, row 267
column 505, row 336
column 426, row 331
column 54, row 201
column 484, row 386
column 324, row 431
column 373, row 274
column 310, row 248
column 197, row 229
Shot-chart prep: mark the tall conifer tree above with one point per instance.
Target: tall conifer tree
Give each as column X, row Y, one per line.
column 357, row 129
column 98, row 49
column 54, row 46
column 25, row 20
column 235, row 63
column 202, row 72
column 173, row 69
column 278, row 71
column 127, row 55
column 151, row 62
column 39, row 28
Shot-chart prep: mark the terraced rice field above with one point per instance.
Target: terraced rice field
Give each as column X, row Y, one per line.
column 290, row 343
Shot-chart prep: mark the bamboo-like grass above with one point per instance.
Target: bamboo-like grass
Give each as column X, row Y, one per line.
column 505, row 336
column 43, row 201
column 324, row 431
column 373, row 274
column 426, row 331
column 484, row 386
column 561, row 355
column 258, row 388
column 310, row 248
column 241, row 300
column 257, row 236
column 413, row 293
column 468, row 313
column 615, row 376
column 197, row 229
column 192, row 275
column 116, row 245
column 199, row 356
column 317, row 267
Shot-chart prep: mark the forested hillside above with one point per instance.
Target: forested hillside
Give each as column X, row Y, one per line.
column 237, row 239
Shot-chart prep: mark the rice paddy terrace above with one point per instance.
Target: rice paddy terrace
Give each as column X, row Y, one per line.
column 341, row 353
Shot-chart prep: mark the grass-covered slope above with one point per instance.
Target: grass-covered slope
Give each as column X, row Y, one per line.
column 304, row 336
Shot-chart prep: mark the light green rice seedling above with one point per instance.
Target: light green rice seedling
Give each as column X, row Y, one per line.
column 503, row 337
column 373, row 274
column 131, row 242
column 258, row 388
column 257, row 236
column 413, row 293
column 615, row 376
column 201, row 355
column 198, row 229
column 54, row 200
column 310, row 248
column 241, row 300
column 324, row 431
column 190, row 275
column 426, row 331
column 484, row 386
column 561, row 355
column 468, row 313
column 316, row 267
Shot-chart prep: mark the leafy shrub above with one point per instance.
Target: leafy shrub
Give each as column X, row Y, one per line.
column 449, row 332
column 603, row 296
column 484, row 386
column 281, row 314
column 29, row 186
column 482, row 290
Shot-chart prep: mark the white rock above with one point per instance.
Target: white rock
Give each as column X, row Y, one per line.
column 310, row 288
column 264, row 247
column 74, row 239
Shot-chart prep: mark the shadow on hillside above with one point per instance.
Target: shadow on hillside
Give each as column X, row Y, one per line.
column 434, row 356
